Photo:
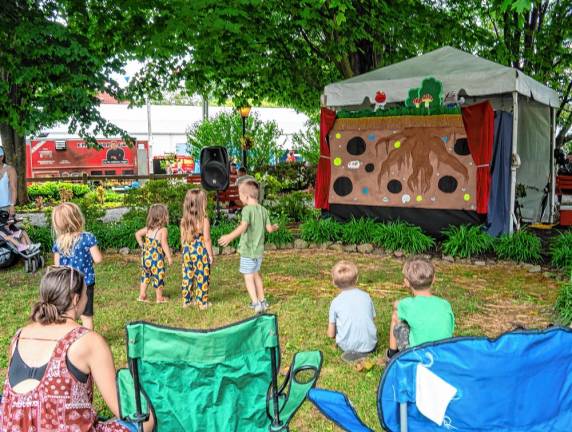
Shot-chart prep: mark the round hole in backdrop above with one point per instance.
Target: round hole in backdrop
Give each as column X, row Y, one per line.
column 343, row 186
column 356, row 146
column 394, row 186
column 448, row 184
column 369, row 167
column 462, row 147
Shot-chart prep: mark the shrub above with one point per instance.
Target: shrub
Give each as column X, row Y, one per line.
column 221, row 228
column 225, row 129
column 466, row 241
column 91, row 208
column 281, row 237
column 321, row 230
column 307, row 141
column 51, row 190
column 169, row 192
column 115, row 235
column 292, row 207
column 359, row 231
column 561, row 251
column 522, row 246
column 42, row 235
column 563, row 304
column 402, row 236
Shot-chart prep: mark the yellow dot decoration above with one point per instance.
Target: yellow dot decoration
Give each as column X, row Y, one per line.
column 467, row 197
column 338, row 135
column 418, row 198
column 337, row 161
column 397, row 144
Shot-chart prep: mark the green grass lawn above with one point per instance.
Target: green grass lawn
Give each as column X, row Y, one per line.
column 486, row 300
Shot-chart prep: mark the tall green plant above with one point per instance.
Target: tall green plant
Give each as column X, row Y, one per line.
column 522, row 246
column 563, row 304
column 226, row 130
column 359, row 231
column 307, row 141
column 561, row 251
column 321, row 230
column 398, row 235
column 466, row 241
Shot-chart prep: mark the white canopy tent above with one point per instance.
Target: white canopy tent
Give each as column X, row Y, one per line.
column 532, row 104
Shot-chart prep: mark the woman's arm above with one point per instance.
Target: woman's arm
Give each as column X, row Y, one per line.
column 165, row 245
column 95, row 254
column 139, row 236
column 208, row 240
column 13, row 179
column 56, row 259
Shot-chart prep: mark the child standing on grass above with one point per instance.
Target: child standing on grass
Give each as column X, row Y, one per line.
column 153, row 239
column 423, row 317
column 351, row 317
column 254, row 223
column 77, row 249
column 197, row 250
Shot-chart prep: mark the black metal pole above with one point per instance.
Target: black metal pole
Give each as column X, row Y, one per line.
column 243, row 148
column 138, row 413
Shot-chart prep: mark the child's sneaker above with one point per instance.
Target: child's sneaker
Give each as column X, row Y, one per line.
column 259, row 308
column 264, row 304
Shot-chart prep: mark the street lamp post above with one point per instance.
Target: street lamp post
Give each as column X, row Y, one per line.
column 244, row 113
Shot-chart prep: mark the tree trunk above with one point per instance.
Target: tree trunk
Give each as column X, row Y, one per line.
column 15, row 149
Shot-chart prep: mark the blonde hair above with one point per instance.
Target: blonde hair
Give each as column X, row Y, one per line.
column 419, row 272
column 57, row 288
column 67, row 224
column 157, row 217
column 345, row 274
column 250, row 188
column 194, row 214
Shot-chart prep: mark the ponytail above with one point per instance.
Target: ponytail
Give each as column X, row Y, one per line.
column 47, row 313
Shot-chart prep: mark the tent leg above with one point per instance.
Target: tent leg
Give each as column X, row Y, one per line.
column 514, row 165
column 552, row 191
column 403, row 417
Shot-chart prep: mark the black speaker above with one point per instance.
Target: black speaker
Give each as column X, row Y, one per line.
column 215, row 168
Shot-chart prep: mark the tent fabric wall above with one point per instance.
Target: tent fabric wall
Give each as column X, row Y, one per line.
column 535, row 155
column 321, row 194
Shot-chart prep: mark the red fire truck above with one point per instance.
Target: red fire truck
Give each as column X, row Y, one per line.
column 73, row 158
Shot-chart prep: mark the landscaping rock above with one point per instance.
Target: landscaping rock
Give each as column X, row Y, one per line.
column 228, row 250
column 350, row 248
column 300, row 244
column 548, row 275
column 337, row 247
column 480, row 263
column 365, row 248
column 398, row 254
column 216, row 250
column 532, row 268
column 491, row 261
column 326, row 245
column 124, row 251
column 270, row 246
column 448, row 258
column 313, row 245
column 379, row 251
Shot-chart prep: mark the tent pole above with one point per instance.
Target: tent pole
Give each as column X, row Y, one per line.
column 514, row 222
column 552, row 166
column 403, row 417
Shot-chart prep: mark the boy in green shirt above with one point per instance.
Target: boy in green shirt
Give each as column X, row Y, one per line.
column 254, row 223
column 423, row 317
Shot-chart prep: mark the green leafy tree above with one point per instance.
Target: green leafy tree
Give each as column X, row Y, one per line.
column 55, row 57
column 283, row 51
column 226, row 130
column 307, row 141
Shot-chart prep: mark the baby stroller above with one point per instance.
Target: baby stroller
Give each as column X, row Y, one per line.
column 12, row 246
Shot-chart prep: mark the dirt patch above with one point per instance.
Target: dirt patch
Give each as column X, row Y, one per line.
column 502, row 315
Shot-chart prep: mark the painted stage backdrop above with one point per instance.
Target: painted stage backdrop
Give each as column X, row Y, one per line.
column 404, row 161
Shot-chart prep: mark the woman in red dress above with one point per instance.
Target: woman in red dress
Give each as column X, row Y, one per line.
column 53, row 364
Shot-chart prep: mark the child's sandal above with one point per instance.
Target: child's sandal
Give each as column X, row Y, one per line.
column 204, row 306
column 143, row 299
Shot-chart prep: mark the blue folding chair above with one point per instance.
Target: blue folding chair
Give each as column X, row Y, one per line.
column 521, row 381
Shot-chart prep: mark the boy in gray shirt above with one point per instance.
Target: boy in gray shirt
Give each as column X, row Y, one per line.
column 351, row 318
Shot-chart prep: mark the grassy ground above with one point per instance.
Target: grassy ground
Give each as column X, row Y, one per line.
column 486, row 300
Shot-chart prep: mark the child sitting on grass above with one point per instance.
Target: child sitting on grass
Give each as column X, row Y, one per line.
column 351, row 315
column 423, row 317
column 254, row 223
column 153, row 240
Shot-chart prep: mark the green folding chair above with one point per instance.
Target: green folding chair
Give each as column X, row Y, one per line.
column 213, row 380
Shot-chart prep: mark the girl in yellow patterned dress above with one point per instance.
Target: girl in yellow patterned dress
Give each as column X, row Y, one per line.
column 153, row 240
column 197, row 250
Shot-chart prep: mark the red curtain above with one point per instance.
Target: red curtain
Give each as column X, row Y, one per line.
column 479, row 121
column 322, row 192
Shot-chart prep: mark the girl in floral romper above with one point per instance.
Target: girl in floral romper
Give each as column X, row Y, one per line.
column 153, row 239
column 197, row 250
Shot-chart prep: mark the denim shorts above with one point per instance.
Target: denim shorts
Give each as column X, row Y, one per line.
column 129, row 425
column 250, row 265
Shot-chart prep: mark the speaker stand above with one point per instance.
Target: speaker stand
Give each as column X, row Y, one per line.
column 217, row 215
